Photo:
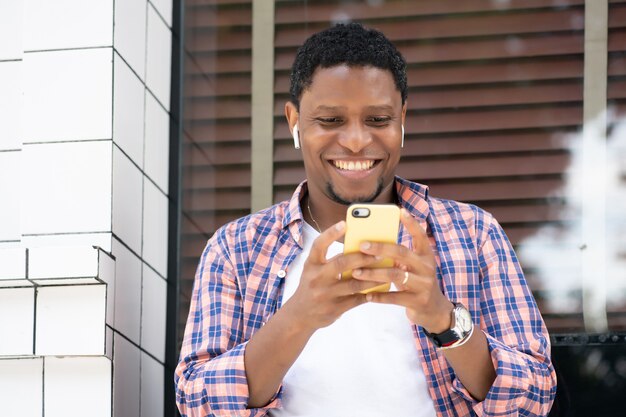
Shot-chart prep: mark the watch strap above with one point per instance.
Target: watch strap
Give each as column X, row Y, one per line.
column 452, row 337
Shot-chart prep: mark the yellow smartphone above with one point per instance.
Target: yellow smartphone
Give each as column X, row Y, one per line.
column 373, row 223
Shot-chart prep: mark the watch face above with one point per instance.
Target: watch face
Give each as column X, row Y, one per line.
column 463, row 319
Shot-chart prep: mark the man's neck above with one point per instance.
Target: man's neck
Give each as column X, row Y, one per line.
column 321, row 212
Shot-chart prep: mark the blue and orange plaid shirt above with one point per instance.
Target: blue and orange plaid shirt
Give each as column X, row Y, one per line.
column 239, row 284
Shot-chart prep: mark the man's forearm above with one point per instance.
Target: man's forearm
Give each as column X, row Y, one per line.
column 270, row 353
column 472, row 364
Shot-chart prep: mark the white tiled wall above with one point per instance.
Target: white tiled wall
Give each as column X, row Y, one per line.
column 17, row 306
column 157, row 74
column 154, row 300
column 84, row 154
column 66, row 187
column 127, row 292
column 130, row 34
column 128, row 106
column 13, row 261
column 126, row 377
column 151, row 387
column 77, row 386
column 21, row 395
column 67, row 95
column 157, row 143
column 11, row 22
column 11, row 85
column 50, row 26
column 154, row 235
column 10, row 191
column 70, row 319
column 127, row 200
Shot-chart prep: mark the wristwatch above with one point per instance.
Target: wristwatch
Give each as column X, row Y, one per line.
column 460, row 331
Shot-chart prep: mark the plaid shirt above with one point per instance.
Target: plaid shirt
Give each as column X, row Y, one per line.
column 239, row 284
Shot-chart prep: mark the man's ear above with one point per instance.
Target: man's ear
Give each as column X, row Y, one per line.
column 404, row 106
column 291, row 113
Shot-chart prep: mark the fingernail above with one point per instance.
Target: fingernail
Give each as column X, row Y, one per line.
column 369, row 297
column 339, row 226
column 378, row 257
column 366, row 245
column 405, row 212
column 356, row 272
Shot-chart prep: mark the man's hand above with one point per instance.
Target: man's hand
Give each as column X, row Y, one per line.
column 414, row 274
column 322, row 296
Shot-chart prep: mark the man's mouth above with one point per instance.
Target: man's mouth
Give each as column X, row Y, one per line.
column 363, row 165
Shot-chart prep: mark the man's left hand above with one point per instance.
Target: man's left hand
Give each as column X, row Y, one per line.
column 414, row 275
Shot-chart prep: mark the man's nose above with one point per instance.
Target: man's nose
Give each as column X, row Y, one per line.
column 355, row 137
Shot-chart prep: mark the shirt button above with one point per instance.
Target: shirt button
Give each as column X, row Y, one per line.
column 281, row 274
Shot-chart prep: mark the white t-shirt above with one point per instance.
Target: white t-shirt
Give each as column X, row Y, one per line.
column 364, row 364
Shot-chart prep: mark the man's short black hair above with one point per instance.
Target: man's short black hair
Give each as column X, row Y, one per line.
column 346, row 44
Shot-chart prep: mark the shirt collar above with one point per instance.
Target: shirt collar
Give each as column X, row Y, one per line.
column 413, row 197
column 294, row 213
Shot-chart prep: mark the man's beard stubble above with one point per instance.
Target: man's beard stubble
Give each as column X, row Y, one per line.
column 367, row 199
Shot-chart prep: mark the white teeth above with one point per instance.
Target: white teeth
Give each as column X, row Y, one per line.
column 354, row 166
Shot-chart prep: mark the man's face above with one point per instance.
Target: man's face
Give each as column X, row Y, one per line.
column 350, row 130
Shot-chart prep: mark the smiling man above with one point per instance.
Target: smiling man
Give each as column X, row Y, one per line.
column 272, row 330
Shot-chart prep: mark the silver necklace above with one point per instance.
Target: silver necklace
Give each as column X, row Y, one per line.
column 308, row 206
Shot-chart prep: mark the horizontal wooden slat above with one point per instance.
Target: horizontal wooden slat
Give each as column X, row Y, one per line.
column 210, row 63
column 500, row 190
column 232, row 176
column 617, row 40
column 457, row 50
column 536, row 213
column 309, row 12
column 218, row 131
column 494, row 119
column 214, row 3
column 455, row 26
column 224, row 108
column 213, row 220
column 202, row 85
column 211, row 39
column 617, row 15
column 216, row 154
column 219, row 17
column 617, row 63
column 449, row 74
column 211, row 199
column 617, row 89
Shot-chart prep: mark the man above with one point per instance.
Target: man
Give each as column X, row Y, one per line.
column 272, row 330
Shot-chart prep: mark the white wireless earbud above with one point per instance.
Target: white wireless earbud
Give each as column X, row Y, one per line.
column 402, row 143
column 296, row 137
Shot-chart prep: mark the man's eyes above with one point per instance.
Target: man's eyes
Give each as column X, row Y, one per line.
column 329, row 120
column 382, row 120
column 374, row 120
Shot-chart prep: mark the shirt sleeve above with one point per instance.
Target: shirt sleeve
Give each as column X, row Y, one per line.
column 518, row 340
column 211, row 377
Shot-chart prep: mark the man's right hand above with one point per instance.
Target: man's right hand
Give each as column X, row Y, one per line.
column 322, row 296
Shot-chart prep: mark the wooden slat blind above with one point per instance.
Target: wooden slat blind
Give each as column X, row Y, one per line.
column 617, row 107
column 493, row 95
column 496, row 93
column 217, row 124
